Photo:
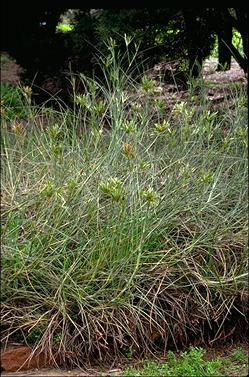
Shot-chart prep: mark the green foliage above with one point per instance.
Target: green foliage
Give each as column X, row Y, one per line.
column 194, row 363
column 148, row 85
column 112, row 187
column 5, row 58
column 239, row 355
column 12, row 102
column 34, row 335
column 157, row 31
column 191, row 363
column 81, row 41
column 236, row 41
column 41, row 43
column 235, row 363
column 64, row 28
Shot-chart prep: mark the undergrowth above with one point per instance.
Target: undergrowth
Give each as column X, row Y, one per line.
column 189, row 363
column 194, row 362
column 124, row 226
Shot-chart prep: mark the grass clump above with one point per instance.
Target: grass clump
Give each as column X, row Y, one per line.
column 123, row 226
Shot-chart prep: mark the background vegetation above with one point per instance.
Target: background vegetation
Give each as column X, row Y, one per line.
column 186, row 36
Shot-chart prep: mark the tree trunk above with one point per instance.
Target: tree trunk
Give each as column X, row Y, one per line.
column 194, row 54
column 242, row 27
column 225, row 21
column 242, row 61
column 225, row 55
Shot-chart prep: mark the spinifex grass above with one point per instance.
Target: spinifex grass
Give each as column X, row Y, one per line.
column 123, row 227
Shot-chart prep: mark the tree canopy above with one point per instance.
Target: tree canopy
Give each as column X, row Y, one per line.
column 29, row 35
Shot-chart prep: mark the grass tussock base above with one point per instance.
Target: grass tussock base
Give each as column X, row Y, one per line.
column 124, row 226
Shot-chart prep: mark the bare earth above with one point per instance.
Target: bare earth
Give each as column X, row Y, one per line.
column 222, row 352
column 234, row 74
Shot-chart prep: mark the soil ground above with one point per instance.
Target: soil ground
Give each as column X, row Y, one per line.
column 229, row 368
